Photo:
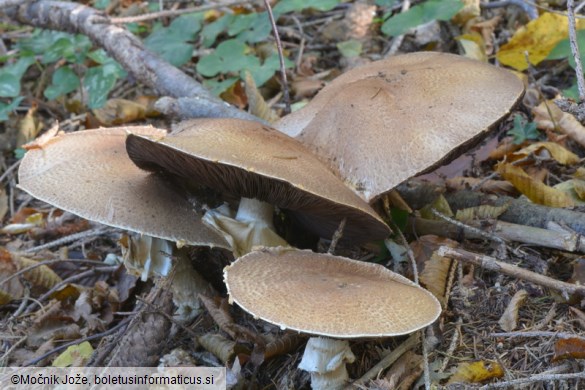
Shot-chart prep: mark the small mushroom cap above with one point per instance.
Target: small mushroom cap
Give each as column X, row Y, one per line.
column 89, row 174
column 327, row 295
column 251, row 160
column 382, row 123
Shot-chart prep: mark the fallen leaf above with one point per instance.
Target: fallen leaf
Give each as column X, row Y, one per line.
column 571, row 348
column 3, row 204
column 47, row 137
column 28, row 127
column 476, row 372
column 469, row 11
column 74, row 356
column 473, row 46
column 498, row 187
column 535, row 191
column 537, row 38
column 119, row 111
column 551, row 118
column 256, row 103
column 480, row 212
column 509, row 320
column 556, row 151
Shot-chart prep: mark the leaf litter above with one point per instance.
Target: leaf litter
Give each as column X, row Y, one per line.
column 476, row 301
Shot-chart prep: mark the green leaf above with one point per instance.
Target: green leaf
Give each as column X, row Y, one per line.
column 64, row 81
column 264, row 72
column 101, row 4
column 563, row 50
column 171, row 42
column 10, row 76
column 218, row 87
column 7, row 108
column 351, row 48
column 385, row 3
column 229, row 56
column 285, row 6
column 40, row 40
column 75, row 353
column 99, row 81
column 212, row 30
column 70, row 47
column 251, row 28
column 523, row 131
column 420, row 14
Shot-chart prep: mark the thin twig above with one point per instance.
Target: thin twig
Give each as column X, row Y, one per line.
column 534, row 379
column 575, row 50
column 337, row 236
column 492, row 264
column 75, row 342
column 9, row 170
column 467, row 227
column 286, row 96
column 70, row 238
column 559, row 335
column 176, row 12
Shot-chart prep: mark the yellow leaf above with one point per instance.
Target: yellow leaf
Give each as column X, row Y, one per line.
column 29, row 127
column 473, row 46
column 569, row 187
column 119, row 111
column 559, row 153
column 469, row 11
column 537, row 38
column 41, row 276
column 476, row 372
column 441, row 205
column 509, row 320
column 481, row 212
column 535, row 191
column 548, row 116
column 75, row 355
column 579, row 186
column 256, row 103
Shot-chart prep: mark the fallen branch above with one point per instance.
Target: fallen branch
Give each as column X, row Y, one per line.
column 492, row 264
column 143, row 65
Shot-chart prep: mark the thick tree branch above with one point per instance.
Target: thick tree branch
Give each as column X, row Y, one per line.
column 145, row 66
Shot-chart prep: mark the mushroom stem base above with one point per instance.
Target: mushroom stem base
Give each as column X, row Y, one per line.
column 325, row 359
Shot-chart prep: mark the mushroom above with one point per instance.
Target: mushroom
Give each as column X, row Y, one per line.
column 89, row 174
column 251, row 160
column 380, row 124
column 326, row 295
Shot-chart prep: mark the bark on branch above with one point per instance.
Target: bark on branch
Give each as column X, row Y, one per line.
column 143, row 65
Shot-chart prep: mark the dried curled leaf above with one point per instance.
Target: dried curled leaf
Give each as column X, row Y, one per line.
column 256, row 103
column 3, row 204
column 476, row 372
column 572, row 348
column 284, row 344
column 119, row 111
column 509, row 319
column 535, row 191
column 559, row 153
column 41, row 276
column 548, row 116
column 481, row 212
column 221, row 347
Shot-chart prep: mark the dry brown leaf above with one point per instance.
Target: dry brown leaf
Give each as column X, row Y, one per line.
column 572, row 348
column 476, row 372
column 509, row 320
column 221, row 347
column 28, row 127
column 498, row 187
column 551, row 118
column 473, row 46
column 256, row 103
column 119, row 111
column 480, row 212
column 405, row 371
column 5, row 297
column 486, row 29
column 284, row 344
column 535, row 191
column 556, row 151
column 579, row 187
column 12, row 287
column 41, row 276
column 49, row 136
column 505, row 147
column 579, row 173
column 3, row 204
column 469, row 11
column 433, row 269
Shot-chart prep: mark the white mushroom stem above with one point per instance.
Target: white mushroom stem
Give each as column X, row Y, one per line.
column 325, row 359
column 252, row 226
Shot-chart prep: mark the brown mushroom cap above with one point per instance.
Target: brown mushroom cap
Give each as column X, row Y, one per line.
column 249, row 159
column 387, row 121
column 327, row 295
column 89, row 174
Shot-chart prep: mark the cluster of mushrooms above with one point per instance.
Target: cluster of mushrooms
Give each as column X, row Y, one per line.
column 369, row 130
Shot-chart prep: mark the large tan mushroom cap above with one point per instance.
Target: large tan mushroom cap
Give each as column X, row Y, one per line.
column 327, row 295
column 249, row 159
column 382, row 123
column 89, row 174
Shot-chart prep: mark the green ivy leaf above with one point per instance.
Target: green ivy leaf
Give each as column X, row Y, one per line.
column 351, row 48
column 7, row 108
column 229, row 56
column 563, row 50
column 10, row 76
column 212, row 30
column 523, row 131
column 264, row 72
column 171, row 42
column 99, row 81
column 420, row 14
column 40, row 40
column 251, row 28
column 217, row 87
column 285, row 6
column 70, row 47
column 64, row 80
